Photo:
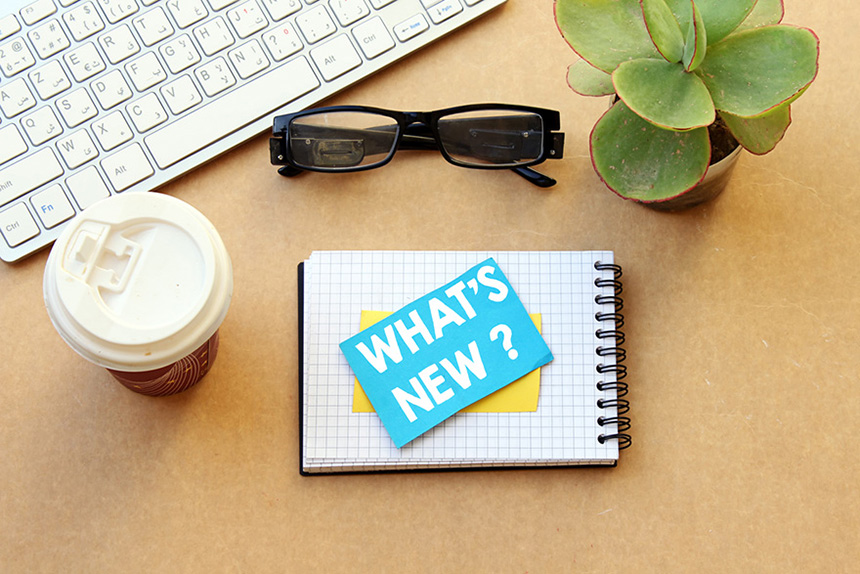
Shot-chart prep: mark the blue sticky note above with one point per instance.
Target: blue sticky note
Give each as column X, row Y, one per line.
column 444, row 351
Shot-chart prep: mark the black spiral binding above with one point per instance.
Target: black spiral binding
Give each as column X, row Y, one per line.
column 616, row 319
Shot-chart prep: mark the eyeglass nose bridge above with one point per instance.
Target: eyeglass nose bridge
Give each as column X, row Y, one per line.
column 417, row 124
column 410, row 118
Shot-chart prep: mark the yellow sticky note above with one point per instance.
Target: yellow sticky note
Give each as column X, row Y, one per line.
column 519, row 396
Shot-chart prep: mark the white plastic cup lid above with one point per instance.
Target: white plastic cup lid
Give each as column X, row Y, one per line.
column 138, row 281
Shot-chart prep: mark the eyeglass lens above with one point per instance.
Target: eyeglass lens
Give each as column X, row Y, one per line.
column 342, row 139
column 492, row 137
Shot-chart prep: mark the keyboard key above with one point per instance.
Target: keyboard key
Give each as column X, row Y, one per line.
column 213, row 36
column 127, row 167
column 215, row 77
column 411, row 27
column 11, row 143
column 349, row 11
column 179, row 54
column 50, row 80
column 76, row 107
column 153, row 26
column 28, row 174
column 282, row 41
column 247, row 18
column 145, row 71
column 111, row 89
column 15, row 57
column 84, row 62
column 48, row 39
column 316, row 24
column 146, row 113
column 8, row 26
column 373, row 38
column 87, row 187
column 280, row 9
column 119, row 44
column 336, row 57
column 181, row 95
column 42, row 125
column 38, row 10
column 16, row 98
column 17, row 225
column 83, row 21
column 116, row 10
column 52, row 206
column 77, row 149
column 444, row 10
column 225, row 115
column 187, row 12
column 112, row 131
column 248, row 59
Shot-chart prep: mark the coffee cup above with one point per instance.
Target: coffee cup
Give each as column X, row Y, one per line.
column 139, row 284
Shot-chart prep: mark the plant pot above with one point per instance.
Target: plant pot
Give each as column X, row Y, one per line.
column 725, row 151
column 709, row 188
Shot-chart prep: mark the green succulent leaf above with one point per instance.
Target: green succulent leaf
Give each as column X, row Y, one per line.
column 664, row 94
column 683, row 11
column 586, row 80
column 604, row 32
column 721, row 17
column 753, row 71
column 697, row 42
column 760, row 134
column 765, row 13
column 640, row 161
column 664, row 29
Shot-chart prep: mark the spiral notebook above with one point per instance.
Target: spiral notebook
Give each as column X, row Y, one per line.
column 581, row 417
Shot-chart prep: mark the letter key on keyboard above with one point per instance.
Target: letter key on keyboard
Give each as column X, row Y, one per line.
column 99, row 97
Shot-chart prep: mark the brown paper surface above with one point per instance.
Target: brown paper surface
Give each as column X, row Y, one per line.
column 742, row 341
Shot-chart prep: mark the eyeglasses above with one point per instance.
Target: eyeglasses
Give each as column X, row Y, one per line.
column 355, row 138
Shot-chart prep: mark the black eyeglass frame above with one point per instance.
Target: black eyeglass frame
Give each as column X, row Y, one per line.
column 420, row 131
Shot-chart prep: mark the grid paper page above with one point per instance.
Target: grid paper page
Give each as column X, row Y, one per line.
column 338, row 285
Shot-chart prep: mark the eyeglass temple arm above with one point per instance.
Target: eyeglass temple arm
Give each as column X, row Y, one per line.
column 535, row 177
column 556, row 151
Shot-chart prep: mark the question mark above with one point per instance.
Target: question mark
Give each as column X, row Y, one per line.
column 506, row 339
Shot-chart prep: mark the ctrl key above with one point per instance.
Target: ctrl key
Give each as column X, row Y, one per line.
column 17, row 225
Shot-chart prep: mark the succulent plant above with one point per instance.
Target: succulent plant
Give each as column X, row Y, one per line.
column 677, row 67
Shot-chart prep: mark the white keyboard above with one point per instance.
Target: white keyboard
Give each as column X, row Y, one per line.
column 99, row 97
